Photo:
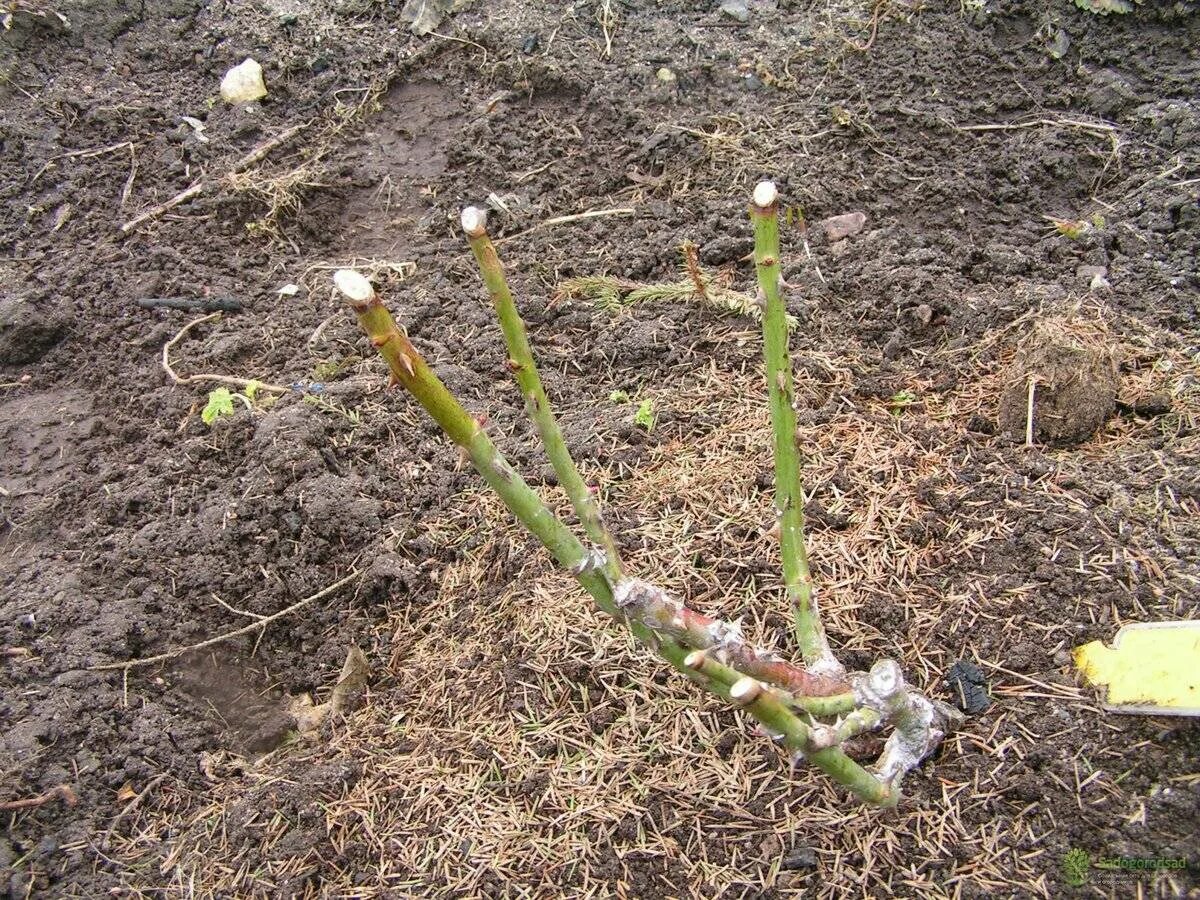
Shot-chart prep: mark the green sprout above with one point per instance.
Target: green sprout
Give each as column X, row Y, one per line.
column 618, row 397
column 220, row 403
column 900, row 401
column 645, row 415
column 1104, row 7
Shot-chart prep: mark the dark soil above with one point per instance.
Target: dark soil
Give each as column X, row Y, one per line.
column 1071, row 370
column 125, row 519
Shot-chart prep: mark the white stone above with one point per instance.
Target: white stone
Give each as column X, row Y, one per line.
column 243, row 83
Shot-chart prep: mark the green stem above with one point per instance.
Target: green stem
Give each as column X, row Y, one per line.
column 520, row 361
column 773, row 713
column 789, row 493
column 857, row 722
column 411, row 371
column 834, row 705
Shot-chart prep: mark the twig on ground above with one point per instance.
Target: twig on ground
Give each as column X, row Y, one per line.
column 64, row 791
column 80, row 154
column 1098, row 128
column 876, row 14
column 229, row 635
column 191, row 304
column 608, row 20
column 566, row 220
column 1029, row 411
column 691, row 260
column 204, row 184
column 218, row 379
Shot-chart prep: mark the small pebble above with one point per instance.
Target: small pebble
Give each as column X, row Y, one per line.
column 838, row 227
column 1152, row 405
column 968, row 685
column 736, row 9
column 799, row 858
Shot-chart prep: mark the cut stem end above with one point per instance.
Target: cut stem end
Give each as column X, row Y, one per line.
column 766, row 194
column 745, row 691
column 474, row 221
column 354, row 286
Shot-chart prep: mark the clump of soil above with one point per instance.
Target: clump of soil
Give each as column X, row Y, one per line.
column 1072, row 367
column 25, row 332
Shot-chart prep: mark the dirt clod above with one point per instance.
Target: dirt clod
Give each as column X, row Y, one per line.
column 968, row 686
column 1071, row 368
column 799, row 858
column 26, row 333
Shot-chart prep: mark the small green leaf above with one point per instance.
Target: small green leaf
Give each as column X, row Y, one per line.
column 220, row 403
column 1071, row 228
column 901, row 400
column 618, row 397
column 1104, row 7
column 251, row 389
column 645, row 415
column 326, row 370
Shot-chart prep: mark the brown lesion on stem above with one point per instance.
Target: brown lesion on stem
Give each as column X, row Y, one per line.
column 651, row 605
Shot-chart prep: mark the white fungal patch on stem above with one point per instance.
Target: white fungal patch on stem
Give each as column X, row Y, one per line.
column 353, row 285
column 726, row 635
column 592, row 561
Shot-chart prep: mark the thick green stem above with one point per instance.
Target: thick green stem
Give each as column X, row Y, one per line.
column 858, row 722
column 651, row 604
column 411, row 371
column 773, row 713
column 789, row 493
column 520, row 361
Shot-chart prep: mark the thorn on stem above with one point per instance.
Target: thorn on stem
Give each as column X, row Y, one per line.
column 407, row 364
